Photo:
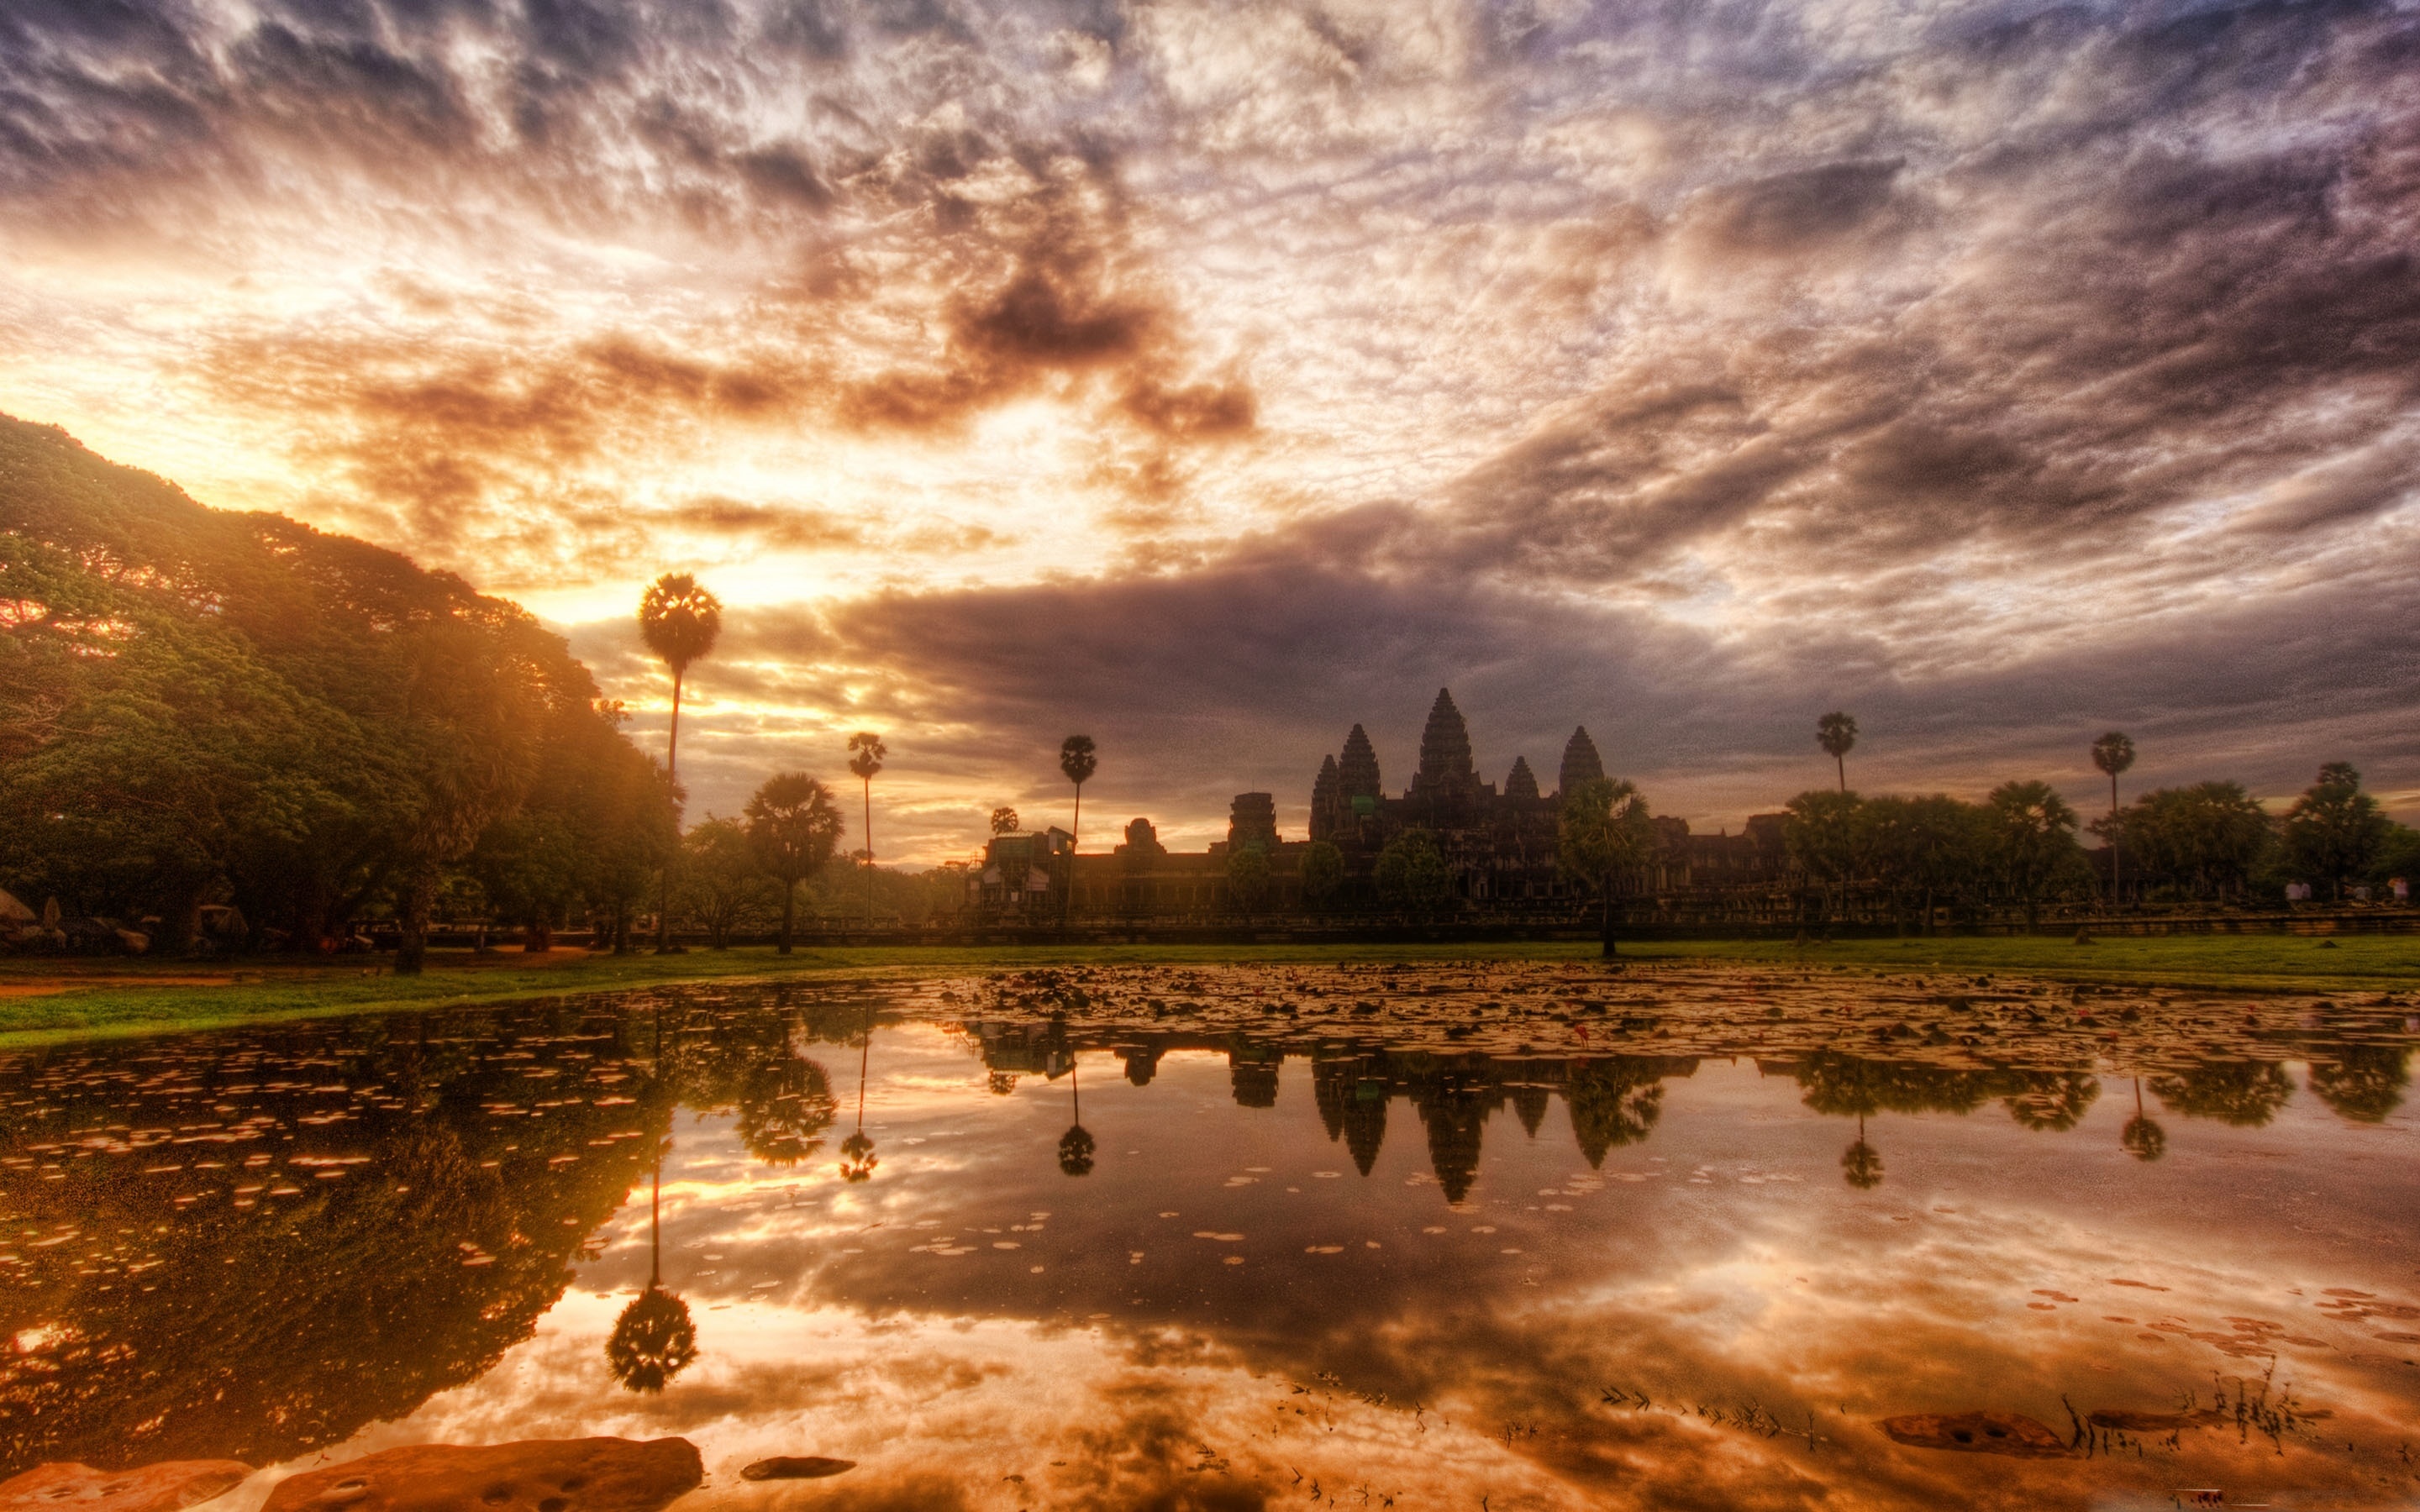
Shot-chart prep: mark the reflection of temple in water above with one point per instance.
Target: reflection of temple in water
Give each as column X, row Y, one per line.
column 1612, row 1100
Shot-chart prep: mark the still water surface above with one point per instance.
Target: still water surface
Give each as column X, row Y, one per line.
column 1500, row 1237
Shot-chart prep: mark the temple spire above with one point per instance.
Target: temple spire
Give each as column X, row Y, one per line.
column 1581, row 763
column 1445, row 747
column 1521, row 782
column 1357, row 770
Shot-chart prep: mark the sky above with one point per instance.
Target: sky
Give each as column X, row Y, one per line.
column 1210, row 377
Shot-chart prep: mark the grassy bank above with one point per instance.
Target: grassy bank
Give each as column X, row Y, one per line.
column 50, row 1000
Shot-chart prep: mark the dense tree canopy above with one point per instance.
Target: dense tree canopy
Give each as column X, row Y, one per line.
column 198, row 705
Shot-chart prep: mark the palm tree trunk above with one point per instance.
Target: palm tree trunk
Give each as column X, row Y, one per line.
column 1842, row 764
column 869, row 853
column 1609, row 951
column 665, row 877
column 2116, row 859
column 790, row 911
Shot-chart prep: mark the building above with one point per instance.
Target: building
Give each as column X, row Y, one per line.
column 1499, row 843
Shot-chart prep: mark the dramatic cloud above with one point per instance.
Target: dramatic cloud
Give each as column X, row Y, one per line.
column 1214, row 376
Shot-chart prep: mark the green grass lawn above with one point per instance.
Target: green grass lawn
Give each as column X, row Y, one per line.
column 113, row 997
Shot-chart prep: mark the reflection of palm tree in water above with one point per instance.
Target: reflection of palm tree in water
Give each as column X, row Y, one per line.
column 2141, row 1137
column 857, row 1151
column 1076, row 1145
column 655, row 1338
column 1861, row 1164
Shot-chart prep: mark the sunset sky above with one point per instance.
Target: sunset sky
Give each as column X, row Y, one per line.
column 1211, row 377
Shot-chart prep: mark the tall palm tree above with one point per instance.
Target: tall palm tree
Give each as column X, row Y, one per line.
column 2112, row 753
column 857, row 1151
column 1076, row 1145
column 1837, row 732
column 865, row 753
column 680, row 621
column 1077, row 763
column 1861, row 1165
column 656, row 1337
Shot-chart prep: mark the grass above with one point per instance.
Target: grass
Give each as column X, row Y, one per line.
column 43, row 1001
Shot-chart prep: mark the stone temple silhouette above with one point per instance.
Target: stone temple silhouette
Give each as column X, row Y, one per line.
column 1498, row 842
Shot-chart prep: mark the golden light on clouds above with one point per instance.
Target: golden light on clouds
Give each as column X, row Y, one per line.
column 1020, row 367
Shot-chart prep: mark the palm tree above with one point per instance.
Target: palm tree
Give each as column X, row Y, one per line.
column 1004, row 822
column 1077, row 763
column 1076, row 1146
column 857, row 1151
column 2112, row 753
column 1837, row 732
column 793, row 826
column 2141, row 1138
column 1861, row 1165
column 867, row 751
column 656, row 1337
column 680, row 621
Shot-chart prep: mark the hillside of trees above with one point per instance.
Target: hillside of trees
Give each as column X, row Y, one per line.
column 203, row 708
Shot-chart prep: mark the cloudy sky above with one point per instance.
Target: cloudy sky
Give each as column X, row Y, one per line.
column 1211, row 377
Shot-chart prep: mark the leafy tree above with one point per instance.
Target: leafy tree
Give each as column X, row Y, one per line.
column 1004, row 822
column 2033, row 843
column 2245, row 1093
column 1825, row 834
column 1321, row 871
column 1614, row 1101
column 1919, row 849
column 2112, row 753
column 2206, row 840
column 865, row 754
column 1603, row 837
column 2399, row 855
column 794, row 827
column 2334, row 830
column 2362, row 1082
column 1837, row 732
column 1247, row 877
column 1412, row 872
column 720, row 884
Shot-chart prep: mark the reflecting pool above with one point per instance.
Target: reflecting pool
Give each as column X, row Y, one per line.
column 1501, row 1236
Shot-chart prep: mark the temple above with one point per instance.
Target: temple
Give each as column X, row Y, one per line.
column 1497, row 842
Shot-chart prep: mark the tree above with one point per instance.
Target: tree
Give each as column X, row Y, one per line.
column 1004, row 822
column 2142, row 1137
column 794, row 826
column 1076, row 1145
column 2112, row 753
column 2033, row 843
column 1825, row 834
column 1837, row 732
column 1602, row 835
column 679, row 620
column 1412, row 872
column 1919, row 849
column 2206, row 839
column 721, row 886
column 867, row 751
column 1247, row 877
column 2335, row 830
column 1076, row 761
column 1321, row 871
column 2244, row 1093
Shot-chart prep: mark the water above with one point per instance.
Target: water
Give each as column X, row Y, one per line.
column 1530, row 1235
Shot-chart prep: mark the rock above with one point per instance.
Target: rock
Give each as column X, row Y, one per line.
column 533, row 1475
column 1988, row 1433
column 162, row 1488
column 789, row 1467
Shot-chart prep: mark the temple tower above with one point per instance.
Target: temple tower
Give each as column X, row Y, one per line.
column 1357, row 771
column 1521, row 782
column 1444, row 750
column 1580, row 760
column 1326, row 799
column 1252, row 820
